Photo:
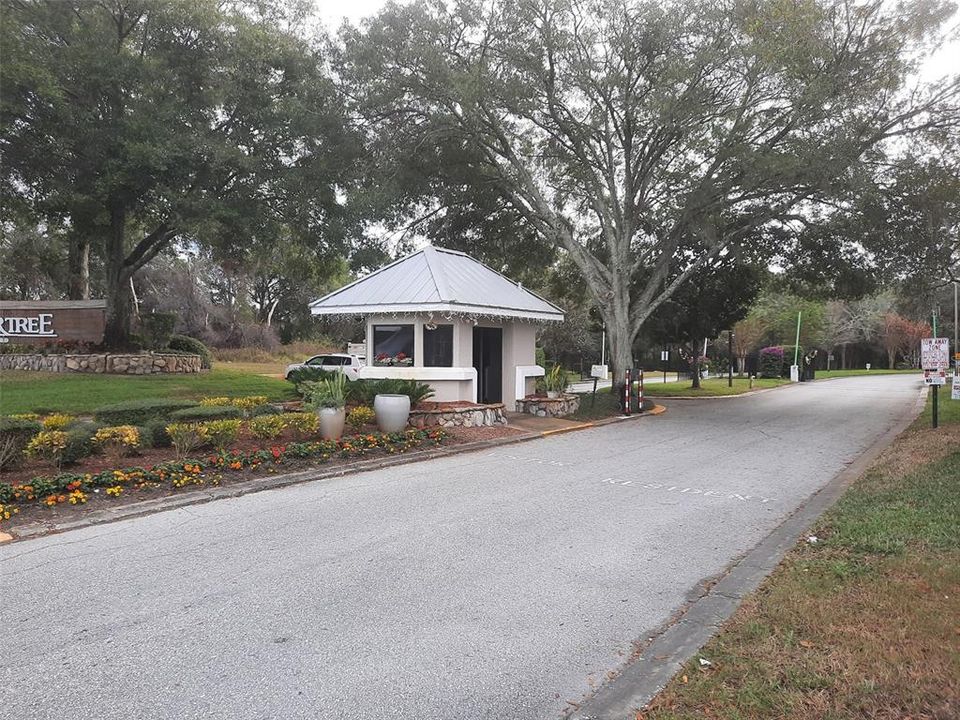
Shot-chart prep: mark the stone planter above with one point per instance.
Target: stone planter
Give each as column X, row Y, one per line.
column 471, row 416
column 392, row 411
column 566, row 404
column 331, row 422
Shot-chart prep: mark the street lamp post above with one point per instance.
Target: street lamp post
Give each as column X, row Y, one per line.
column 956, row 326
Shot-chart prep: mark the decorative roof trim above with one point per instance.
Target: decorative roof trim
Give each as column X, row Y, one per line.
column 452, row 309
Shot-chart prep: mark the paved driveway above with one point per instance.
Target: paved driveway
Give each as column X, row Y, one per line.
column 499, row 584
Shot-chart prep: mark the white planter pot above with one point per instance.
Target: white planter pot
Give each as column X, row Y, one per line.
column 331, row 422
column 553, row 394
column 392, row 411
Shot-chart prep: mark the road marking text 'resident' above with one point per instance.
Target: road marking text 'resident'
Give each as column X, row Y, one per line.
column 686, row 490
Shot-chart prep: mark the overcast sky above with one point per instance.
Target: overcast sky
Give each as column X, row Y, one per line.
column 334, row 12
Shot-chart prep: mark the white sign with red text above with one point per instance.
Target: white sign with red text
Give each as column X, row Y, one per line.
column 935, row 353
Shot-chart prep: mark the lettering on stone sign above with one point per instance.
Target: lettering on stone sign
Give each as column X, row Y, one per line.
column 40, row 325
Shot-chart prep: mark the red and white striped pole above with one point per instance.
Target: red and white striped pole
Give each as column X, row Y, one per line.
column 627, row 391
column 640, row 391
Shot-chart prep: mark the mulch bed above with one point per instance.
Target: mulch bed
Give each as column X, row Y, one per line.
column 30, row 513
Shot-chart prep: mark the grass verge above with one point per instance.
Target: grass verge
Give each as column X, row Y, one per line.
column 23, row 391
column 861, row 624
column 711, row 387
column 827, row 374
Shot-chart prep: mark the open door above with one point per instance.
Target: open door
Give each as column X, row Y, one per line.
column 488, row 361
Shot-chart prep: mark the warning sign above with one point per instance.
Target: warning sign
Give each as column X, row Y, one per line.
column 935, row 377
column 955, row 388
column 935, row 354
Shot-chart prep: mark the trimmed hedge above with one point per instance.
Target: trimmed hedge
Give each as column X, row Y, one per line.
column 140, row 412
column 183, row 343
column 154, row 434
column 267, row 409
column 209, row 412
column 79, row 442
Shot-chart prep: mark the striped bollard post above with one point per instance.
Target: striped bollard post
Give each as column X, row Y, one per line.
column 627, row 390
column 640, row 391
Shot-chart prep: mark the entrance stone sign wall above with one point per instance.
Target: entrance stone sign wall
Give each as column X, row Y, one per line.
column 145, row 364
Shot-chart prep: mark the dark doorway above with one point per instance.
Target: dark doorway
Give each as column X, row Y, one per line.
column 488, row 360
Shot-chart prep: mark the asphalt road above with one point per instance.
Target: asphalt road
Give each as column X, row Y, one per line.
column 499, row 584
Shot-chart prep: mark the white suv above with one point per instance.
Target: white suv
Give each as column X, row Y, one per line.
column 349, row 365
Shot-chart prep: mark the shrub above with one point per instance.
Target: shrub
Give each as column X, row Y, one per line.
column 186, row 437
column 416, row 391
column 48, row 445
column 157, row 329
column 25, row 416
column 361, row 392
column 248, row 403
column 265, row 409
column 555, row 380
column 770, row 364
column 182, row 343
column 360, row 416
column 304, row 374
column 302, row 423
column 788, row 354
column 204, row 414
column 329, row 393
column 154, row 434
column 221, row 433
column 57, row 421
column 79, row 443
column 15, row 435
column 214, row 401
column 119, row 440
column 267, row 427
column 140, row 412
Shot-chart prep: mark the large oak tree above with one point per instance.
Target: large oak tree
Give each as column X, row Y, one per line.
column 643, row 138
column 136, row 123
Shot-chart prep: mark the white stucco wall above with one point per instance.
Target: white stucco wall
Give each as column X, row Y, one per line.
column 519, row 349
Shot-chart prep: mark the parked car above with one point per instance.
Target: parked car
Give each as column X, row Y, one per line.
column 349, row 365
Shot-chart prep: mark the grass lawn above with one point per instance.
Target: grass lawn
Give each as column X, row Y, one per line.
column 711, row 387
column 862, row 624
column 826, row 374
column 273, row 369
column 25, row 391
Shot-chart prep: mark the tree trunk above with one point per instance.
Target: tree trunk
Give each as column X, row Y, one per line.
column 621, row 354
column 843, row 356
column 891, row 359
column 78, row 267
column 117, row 334
column 696, row 364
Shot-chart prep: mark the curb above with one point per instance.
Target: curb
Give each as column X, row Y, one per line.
column 683, row 635
column 275, row 482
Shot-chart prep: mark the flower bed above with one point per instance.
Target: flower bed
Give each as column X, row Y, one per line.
column 78, row 488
